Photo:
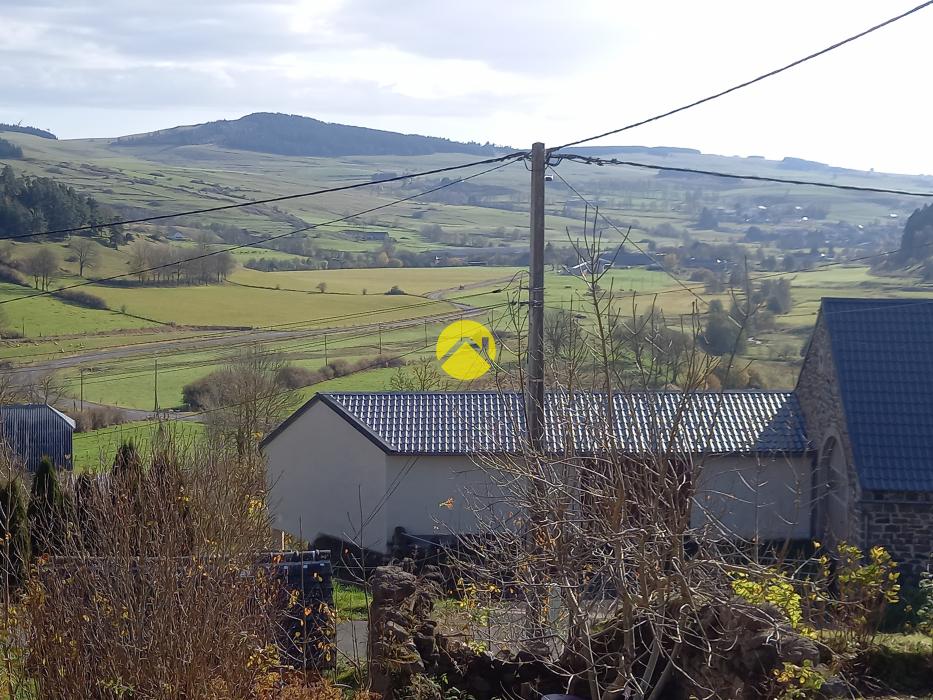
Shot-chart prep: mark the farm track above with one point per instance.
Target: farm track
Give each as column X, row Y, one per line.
column 103, row 355
column 184, row 345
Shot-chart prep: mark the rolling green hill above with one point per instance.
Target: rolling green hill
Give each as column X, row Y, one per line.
column 288, row 134
column 482, row 221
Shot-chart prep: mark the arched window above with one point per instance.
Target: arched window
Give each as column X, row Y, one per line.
column 831, row 494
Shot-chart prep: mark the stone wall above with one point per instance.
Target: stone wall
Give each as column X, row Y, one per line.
column 818, row 392
column 901, row 522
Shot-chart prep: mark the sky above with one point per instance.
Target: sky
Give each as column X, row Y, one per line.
column 506, row 71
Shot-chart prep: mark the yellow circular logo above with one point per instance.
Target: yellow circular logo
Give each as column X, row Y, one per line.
column 466, row 350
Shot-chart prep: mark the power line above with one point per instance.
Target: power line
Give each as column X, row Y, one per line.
column 589, row 160
column 269, row 200
column 252, row 244
column 218, row 360
column 188, row 417
column 220, row 335
column 627, row 238
column 748, row 83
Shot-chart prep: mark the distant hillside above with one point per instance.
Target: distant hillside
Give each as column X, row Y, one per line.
column 293, row 135
column 641, row 150
column 20, row 129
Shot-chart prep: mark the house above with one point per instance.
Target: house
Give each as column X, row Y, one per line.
column 34, row 431
column 357, row 466
column 847, row 456
column 866, row 390
column 588, row 267
column 178, row 236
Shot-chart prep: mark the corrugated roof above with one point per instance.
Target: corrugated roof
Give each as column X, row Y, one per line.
column 883, row 353
column 35, row 431
column 469, row 422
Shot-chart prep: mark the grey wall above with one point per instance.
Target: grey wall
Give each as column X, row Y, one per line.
column 320, row 470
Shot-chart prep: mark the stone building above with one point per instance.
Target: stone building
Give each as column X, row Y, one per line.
column 848, row 456
column 866, row 392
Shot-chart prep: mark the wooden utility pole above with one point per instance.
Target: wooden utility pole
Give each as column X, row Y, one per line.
column 325, row 348
column 81, row 375
column 380, row 338
column 534, row 374
column 155, row 385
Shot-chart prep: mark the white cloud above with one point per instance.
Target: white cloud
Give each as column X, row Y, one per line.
column 511, row 72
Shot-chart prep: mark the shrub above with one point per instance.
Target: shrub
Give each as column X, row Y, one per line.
column 395, row 290
column 8, row 274
column 97, row 417
column 292, row 377
column 160, row 595
column 197, row 394
column 79, row 298
column 47, row 512
column 14, row 530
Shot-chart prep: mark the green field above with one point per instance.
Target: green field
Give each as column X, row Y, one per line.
column 154, row 180
column 378, row 281
column 96, row 449
column 45, row 316
column 233, row 305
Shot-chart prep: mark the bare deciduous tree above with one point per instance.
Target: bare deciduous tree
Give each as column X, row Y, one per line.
column 87, row 253
column 420, row 375
column 42, row 387
column 248, row 398
column 593, row 534
column 41, row 265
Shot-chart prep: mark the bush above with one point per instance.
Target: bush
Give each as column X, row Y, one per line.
column 197, row 394
column 396, row 290
column 78, row 298
column 160, row 595
column 97, row 417
column 14, row 527
column 292, row 377
column 8, row 274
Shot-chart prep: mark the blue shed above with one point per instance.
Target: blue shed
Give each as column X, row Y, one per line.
column 34, row 431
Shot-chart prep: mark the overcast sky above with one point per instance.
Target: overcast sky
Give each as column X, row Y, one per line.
column 508, row 71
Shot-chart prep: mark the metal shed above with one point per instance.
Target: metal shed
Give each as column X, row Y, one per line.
column 34, row 431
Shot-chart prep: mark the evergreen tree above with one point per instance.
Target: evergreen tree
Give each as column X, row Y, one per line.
column 127, row 465
column 85, row 503
column 48, row 521
column 14, row 529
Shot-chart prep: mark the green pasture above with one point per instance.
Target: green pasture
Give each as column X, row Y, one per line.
column 96, row 449
column 377, row 281
column 234, row 305
column 45, row 316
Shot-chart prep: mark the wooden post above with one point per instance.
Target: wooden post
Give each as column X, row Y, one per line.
column 534, row 374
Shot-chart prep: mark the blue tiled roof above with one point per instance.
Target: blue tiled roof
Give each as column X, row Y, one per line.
column 883, row 353
column 471, row 422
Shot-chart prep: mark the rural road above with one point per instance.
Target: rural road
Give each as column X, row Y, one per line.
column 208, row 340
column 225, row 338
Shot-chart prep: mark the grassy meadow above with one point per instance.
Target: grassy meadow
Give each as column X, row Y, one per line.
column 95, row 450
column 638, row 207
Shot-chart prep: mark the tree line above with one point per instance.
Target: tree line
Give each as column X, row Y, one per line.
column 31, row 130
column 35, row 204
column 158, row 263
